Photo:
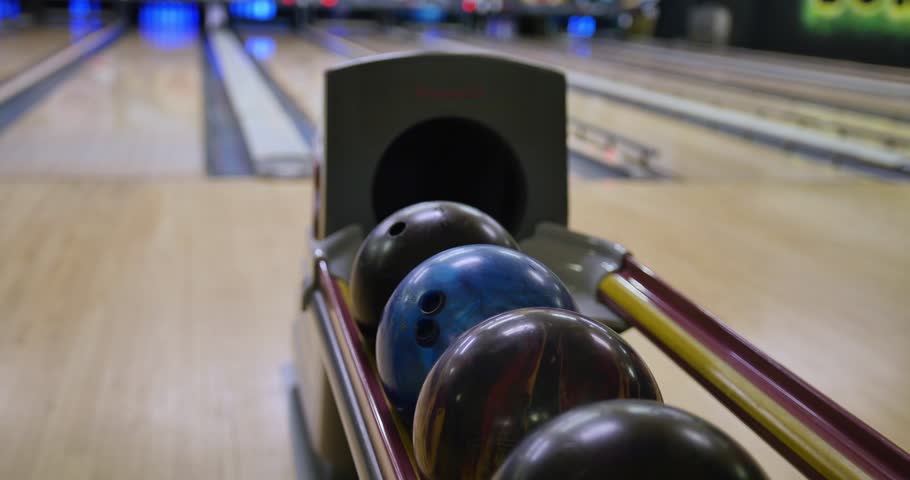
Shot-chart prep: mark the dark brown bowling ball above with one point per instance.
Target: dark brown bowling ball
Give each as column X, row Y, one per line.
column 629, row 440
column 405, row 239
column 503, row 378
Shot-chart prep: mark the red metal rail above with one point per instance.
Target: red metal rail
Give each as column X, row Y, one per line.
column 853, row 439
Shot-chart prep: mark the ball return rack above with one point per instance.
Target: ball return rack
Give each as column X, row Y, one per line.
column 349, row 422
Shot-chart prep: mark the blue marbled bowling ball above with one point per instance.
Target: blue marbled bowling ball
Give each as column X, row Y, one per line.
column 445, row 296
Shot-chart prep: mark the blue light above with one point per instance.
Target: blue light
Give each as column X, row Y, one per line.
column 428, row 14
column 80, row 8
column 261, row 48
column 169, row 25
column 261, row 10
column 582, row 26
column 79, row 27
column 9, row 9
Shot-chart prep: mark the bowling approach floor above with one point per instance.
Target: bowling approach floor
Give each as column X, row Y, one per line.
column 146, row 307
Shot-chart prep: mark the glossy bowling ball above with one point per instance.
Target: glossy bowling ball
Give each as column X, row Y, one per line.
column 511, row 374
column 403, row 240
column 445, row 296
column 629, row 440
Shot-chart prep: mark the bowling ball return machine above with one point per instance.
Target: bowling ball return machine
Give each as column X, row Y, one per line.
column 490, row 132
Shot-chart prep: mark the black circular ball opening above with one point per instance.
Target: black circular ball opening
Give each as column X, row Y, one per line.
column 454, row 159
column 432, row 302
column 397, row 228
column 427, row 332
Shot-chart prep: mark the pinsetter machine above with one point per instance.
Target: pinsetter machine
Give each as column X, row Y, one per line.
column 490, row 132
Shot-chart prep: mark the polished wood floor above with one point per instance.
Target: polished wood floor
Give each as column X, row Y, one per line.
column 813, row 274
column 145, row 328
column 20, row 49
column 145, row 311
column 133, row 111
column 146, row 324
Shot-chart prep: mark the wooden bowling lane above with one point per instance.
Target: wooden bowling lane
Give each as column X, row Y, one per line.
column 146, row 323
column 21, row 49
column 682, row 391
column 873, row 130
column 145, row 328
column 814, row 274
column 685, row 150
column 133, row 110
column 621, row 54
column 692, row 152
column 747, row 56
column 628, row 58
column 298, row 66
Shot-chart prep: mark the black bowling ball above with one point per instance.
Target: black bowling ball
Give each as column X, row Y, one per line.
column 405, row 239
column 629, row 440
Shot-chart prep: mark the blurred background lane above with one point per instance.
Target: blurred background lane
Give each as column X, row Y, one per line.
column 21, row 48
column 133, row 110
column 682, row 152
